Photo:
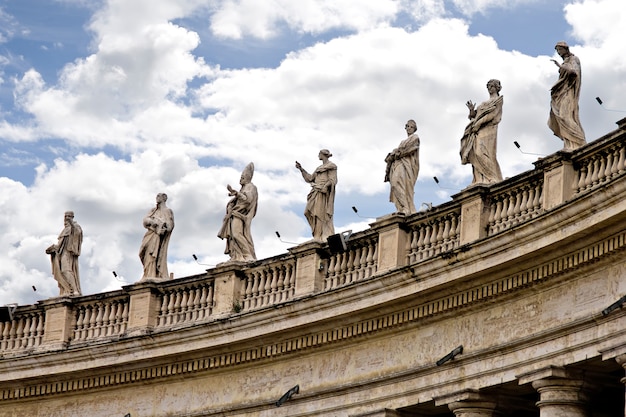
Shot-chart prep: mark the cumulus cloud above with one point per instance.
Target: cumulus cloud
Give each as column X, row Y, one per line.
column 239, row 18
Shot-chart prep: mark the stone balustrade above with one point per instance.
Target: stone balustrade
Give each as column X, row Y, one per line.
column 22, row 333
column 108, row 317
column 600, row 166
column 185, row 304
column 392, row 242
column 268, row 284
column 358, row 262
column 431, row 235
column 516, row 205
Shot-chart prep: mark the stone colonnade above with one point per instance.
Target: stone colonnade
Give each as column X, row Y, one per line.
column 561, row 393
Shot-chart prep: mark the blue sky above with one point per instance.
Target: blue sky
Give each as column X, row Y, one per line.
column 104, row 104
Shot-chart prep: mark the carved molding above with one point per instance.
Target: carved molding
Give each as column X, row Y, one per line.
column 469, row 297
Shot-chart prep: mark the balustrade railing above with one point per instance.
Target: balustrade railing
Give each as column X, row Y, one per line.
column 431, row 236
column 100, row 318
column 193, row 300
column 357, row 263
column 268, row 284
column 515, row 205
column 186, row 304
column 601, row 166
column 23, row 332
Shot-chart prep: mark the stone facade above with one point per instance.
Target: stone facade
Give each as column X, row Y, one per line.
column 527, row 275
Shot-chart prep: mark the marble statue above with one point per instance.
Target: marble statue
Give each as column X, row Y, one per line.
column 64, row 256
column 240, row 211
column 402, row 168
column 480, row 139
column 564, row 119
column 320, row 203
column 159, row 223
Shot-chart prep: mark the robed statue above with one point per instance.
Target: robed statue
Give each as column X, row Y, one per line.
column 236, row 225
column 320, row 203
column 159, row 223
column 64, row 256
column 403, row 165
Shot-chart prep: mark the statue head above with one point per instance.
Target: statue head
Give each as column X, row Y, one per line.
column 161, row 198
column 562, row 48
column 326, row 153
column 410, row 126
column 246, row 175
column 495, row 83
column 562, row 44
column 68, row 216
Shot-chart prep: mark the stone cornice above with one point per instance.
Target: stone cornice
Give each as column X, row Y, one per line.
column 427, row 310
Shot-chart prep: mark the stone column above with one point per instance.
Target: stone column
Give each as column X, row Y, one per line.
column 558, row 178
column 227, row 294
column 468, row 403
column 561, row 392
column 474, row 213
column 621, row 359
column 58, row 322
column 143, row 307
column 310, row 267
column 393, row 240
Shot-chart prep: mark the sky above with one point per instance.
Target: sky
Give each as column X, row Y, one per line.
column 105, row 103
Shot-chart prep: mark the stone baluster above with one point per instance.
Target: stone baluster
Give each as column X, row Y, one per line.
column 621, row 163
column 372, row 259
column 265, row 287
column 4, row 334
column 206, row 295
column 273, row 284
column 291, row 279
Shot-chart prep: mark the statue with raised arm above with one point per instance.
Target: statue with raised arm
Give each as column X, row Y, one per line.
column 320, row 203
column 402, row 168
column 240, row 211
column 564, row 118
column 64, row 256
column 480, row 139
column 159, row 223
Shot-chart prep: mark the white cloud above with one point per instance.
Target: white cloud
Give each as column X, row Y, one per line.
column 598, row 23
column 263, row 19
column 470, row 7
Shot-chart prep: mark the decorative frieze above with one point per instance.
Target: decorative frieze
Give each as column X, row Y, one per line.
column 387, row 322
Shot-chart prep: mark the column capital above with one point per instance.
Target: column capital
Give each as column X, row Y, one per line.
column 468, row 403
column 562, row 392
column 553, row 372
